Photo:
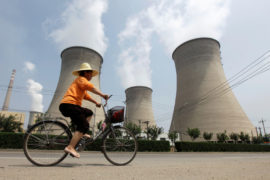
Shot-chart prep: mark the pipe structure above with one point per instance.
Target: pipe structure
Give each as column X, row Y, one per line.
column 72, row 58
column 139, row 106
column 9, row 91
column 204, row 99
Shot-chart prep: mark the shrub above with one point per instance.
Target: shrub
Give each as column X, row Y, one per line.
column 11, row 140
column 15, row 141
column 220, row 147
column 158, row 146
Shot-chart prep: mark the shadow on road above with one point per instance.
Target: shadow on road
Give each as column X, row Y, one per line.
column 65, row 165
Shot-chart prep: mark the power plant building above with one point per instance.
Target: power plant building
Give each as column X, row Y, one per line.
column 72, row 58
column 204, row 99
column 139, row 106
column 19, row 116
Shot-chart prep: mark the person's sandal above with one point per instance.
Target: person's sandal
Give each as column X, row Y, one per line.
column 86, row 136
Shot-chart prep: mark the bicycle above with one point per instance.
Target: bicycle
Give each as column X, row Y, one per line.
column 44, row 139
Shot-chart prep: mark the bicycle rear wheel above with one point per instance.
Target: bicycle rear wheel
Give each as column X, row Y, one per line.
column 119, row 146
column 45, row 141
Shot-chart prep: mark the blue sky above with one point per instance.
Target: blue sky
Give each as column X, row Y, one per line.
column 136, row 40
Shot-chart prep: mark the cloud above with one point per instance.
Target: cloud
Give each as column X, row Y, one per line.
column 81, row 25
column 172, row 22
column 34, row 89
column 28, row 66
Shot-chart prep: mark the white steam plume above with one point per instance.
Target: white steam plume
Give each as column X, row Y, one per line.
column 28, row 66
column 34, row 89
column 173, row 21
column 81, row 25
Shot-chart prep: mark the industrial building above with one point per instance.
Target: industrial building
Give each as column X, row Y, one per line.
column 204, row 99
column 19, row 116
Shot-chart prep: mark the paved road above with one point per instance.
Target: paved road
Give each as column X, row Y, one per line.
column 92, row 165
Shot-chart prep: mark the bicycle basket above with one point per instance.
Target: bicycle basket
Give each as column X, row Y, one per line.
column 116, row 114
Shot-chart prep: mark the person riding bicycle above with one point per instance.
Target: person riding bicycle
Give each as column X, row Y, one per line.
column 70, row 105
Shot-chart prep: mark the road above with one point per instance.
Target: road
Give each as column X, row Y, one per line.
column 150, row 166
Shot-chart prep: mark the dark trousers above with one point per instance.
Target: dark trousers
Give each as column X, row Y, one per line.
column 78, row 116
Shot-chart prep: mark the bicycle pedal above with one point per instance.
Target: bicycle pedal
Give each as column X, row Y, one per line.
column 89, row 139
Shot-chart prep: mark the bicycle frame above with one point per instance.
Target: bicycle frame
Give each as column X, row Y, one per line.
column 101, row 133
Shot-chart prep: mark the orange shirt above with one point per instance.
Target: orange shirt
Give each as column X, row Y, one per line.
column 77, row 91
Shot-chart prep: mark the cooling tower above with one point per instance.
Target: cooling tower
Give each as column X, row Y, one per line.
column 139, row 106
column 204, row 99
column 72, row 58
column 33, row 117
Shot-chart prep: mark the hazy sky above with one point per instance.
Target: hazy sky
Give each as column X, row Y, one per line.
column 136, row 40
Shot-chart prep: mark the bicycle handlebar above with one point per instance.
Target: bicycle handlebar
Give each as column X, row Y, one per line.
column 107, row 101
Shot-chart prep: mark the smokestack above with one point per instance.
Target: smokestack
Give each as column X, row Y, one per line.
column 139, row 106
column 7, row 98
column 72, row 58
column 199, row 71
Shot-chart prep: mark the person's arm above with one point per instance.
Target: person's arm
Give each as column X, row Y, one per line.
column 96, row 91
column 84, row 84
column 94, row 101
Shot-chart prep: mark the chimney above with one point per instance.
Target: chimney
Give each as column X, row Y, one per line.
column 7, row 98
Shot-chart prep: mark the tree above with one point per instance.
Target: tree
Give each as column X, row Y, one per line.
column 173, row 135
column 193, row 133
column 244, row 137
column 134, row 128
column 207, row 136
column 154, row 132
column 9, row 124
column 234, row 137
column 222, row 137
column 257, row 140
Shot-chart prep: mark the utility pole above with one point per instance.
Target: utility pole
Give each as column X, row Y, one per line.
column 256, row 131
column 262, row 121
column 260, row 129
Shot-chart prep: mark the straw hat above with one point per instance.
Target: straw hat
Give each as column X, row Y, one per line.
column 85, row 67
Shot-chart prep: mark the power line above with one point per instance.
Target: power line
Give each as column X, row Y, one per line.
column 224, row 88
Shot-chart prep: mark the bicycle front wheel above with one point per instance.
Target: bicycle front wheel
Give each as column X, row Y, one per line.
column 119, row 146
column 45, row 141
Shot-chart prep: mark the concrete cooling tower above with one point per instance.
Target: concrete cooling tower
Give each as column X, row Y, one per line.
column 204, row 99
column 139, row 106
column 72, row 58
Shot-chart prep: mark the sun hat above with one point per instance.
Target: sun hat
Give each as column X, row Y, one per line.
column 85, row 67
